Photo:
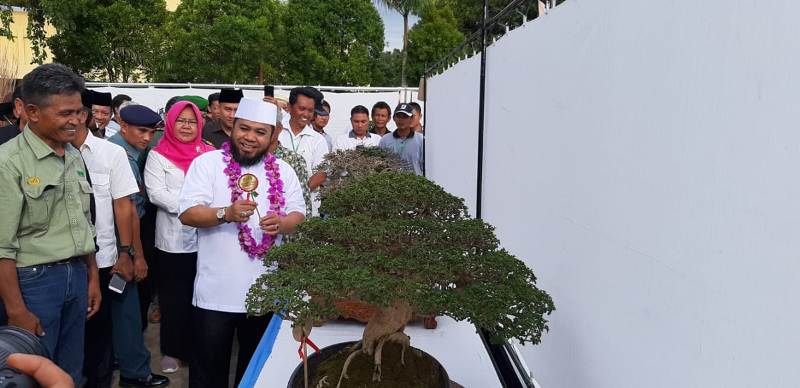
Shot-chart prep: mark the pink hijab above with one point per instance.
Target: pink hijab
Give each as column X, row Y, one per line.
column 179, row 153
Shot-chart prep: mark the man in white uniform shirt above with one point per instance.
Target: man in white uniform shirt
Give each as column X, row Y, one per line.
column 359, row 135
column 225, row 271
column 113, row 183
column 301, row 138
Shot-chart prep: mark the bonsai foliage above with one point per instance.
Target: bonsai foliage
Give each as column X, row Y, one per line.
column 344, row 167
column 401, row 242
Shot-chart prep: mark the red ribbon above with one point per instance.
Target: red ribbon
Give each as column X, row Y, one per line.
column 303, row 341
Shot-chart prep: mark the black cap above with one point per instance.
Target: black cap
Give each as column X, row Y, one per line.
column 6, row 108
column 405, row 109
column 141, row 116
column 101, row 99
column 320, row 110
column 232, row 96
column 87, row 96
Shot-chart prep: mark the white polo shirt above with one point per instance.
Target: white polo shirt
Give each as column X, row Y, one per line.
column 112, row 179
column 225, row 272
column 350, row 141
column 164, row 181
column 312, row 146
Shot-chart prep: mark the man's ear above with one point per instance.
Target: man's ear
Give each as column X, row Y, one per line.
column 33, row 112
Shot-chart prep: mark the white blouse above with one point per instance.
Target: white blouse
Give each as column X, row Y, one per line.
column 164, row 182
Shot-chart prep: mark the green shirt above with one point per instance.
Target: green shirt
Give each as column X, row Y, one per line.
column 45, row 202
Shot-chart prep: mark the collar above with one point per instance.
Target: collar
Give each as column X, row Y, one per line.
column 307, row 131
column 396, row 136
column 40, row 149
column 129, row 149
column 91, row 141
column 352, row 135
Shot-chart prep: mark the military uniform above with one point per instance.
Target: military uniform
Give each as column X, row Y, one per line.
column 47, row 231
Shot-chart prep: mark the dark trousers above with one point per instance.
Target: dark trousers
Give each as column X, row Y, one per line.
column 97, row 345
column 213, row 339
column 148, row 286
column 115, row 329
column 176, row 287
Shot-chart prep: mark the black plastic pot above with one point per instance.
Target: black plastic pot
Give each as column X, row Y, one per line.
column 296, row 380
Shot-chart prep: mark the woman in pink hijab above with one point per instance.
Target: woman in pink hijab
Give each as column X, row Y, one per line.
column 176, row 244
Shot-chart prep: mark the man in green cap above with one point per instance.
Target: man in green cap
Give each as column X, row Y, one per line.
column 46, row 237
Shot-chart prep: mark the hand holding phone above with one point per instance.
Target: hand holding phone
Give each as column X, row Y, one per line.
column 117, row 283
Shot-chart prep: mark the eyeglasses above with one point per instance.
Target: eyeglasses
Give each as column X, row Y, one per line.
column 182, row 122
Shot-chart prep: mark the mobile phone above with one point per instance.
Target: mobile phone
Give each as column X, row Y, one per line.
column 117, row 283
column 269, row 91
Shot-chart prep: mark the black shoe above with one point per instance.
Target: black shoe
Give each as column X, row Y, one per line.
column 153, row 380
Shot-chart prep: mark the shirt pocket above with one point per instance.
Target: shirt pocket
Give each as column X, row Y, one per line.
column 101, row 185
column 86, row 192
column 39, row 201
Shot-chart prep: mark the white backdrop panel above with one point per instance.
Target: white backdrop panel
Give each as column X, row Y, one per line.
column 642, row 160
column 451, row 129
column 341, row 103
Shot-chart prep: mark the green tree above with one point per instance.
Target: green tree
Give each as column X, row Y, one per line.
column 331, row 42
column 110, row 40
column 221, row 42
column 405, row 8
column 431, row 39
column 388, row 69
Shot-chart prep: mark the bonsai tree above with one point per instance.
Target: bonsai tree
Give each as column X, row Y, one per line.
column 415, row 251
column 345, row 166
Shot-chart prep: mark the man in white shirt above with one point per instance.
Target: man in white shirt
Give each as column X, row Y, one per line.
column 359, row 136
column 225, row 271
column 301, row 138
column 113, row 183
column 101, row 113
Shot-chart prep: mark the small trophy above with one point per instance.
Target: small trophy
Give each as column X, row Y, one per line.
column 249, row 183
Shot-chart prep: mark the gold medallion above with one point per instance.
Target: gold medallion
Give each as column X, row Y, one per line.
column 248, row 183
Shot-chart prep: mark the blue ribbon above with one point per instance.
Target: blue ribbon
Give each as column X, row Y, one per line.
column 262, row 353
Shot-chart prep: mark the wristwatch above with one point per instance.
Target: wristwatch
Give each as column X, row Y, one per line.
column 221, row 214
column 127, row 249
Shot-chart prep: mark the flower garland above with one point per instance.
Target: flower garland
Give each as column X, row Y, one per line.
column 276, row 200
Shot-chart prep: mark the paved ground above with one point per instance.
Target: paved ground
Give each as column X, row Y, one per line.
column 178, row 379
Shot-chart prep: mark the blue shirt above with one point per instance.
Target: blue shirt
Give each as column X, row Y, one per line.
column 409, row 148
column 134, row 158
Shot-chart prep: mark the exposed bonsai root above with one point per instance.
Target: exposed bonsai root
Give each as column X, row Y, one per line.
column 385, row 322
column 399, row 338
column 347, row 363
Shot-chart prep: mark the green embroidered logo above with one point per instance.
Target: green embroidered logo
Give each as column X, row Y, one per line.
column 81, row 174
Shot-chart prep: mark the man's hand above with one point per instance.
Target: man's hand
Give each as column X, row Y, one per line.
column 95, row 296
column 27, row 320
column 240, row 211
column 271, row 224
column 124, row 267
column 44, row 371
column 139, row 268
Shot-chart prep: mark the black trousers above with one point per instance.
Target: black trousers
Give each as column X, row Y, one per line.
column 176, row 287
column 97, row 341
column 147, row 287
column 213, row 339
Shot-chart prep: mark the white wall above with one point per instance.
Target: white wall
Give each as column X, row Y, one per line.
column 341, row 103
column 451, row 129
column 641, row 157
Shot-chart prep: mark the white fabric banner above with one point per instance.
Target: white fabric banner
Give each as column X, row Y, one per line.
column 341, row 103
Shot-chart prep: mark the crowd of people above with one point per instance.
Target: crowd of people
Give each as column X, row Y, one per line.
column 120, row 216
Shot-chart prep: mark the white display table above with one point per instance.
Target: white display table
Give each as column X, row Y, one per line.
column 456, row 345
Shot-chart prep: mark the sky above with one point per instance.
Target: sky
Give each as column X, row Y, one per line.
column 393, row 26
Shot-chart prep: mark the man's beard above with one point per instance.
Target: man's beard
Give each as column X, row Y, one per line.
column 246, row 161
